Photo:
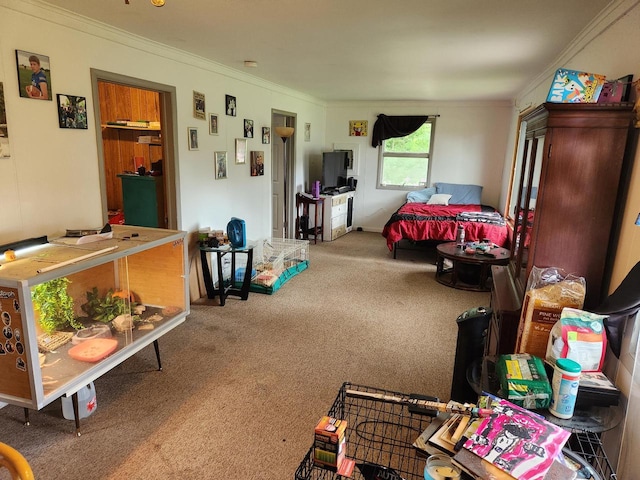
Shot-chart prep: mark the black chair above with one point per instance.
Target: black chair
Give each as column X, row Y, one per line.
column 620, row 305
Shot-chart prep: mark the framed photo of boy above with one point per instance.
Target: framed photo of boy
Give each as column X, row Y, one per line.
column 72, row 111
column 193, row 138
column 34, row 75
column 198, row 105
column 241, row 150
column 221, row 165
column 266, row 135
column 213, row 124
column 230, row 105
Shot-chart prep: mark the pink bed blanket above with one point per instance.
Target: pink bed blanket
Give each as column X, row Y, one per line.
column 419, row 221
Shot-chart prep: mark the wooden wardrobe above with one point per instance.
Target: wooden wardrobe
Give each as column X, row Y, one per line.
column 570, row 189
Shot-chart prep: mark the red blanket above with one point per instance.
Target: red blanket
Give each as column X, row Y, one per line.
column 419, row 221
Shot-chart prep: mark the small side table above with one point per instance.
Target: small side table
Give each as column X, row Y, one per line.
column 223, row 291
column 303, row 231
column 468, row 271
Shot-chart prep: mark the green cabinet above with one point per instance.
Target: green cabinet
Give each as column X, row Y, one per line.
column 143, row 199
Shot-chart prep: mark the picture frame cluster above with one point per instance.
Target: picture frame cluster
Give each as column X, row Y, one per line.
column 35, row 83
column 241, row 154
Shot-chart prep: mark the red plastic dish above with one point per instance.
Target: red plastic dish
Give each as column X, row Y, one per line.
column 93, row 350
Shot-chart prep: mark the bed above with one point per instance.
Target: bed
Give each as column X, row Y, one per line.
column 433, row 215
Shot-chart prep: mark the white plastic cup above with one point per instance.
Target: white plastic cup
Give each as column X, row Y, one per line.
column 566, row 379
column 440, row 467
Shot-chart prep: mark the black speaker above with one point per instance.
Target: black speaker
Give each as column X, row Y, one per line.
column 472, row 326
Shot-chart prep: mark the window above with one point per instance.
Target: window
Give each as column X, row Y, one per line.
column 404, row 163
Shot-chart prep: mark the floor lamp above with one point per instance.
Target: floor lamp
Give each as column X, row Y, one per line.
column 285, row 133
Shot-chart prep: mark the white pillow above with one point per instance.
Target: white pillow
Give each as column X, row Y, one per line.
column 439, row 199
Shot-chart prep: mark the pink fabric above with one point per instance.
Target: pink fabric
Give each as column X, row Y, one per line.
column 441, row 225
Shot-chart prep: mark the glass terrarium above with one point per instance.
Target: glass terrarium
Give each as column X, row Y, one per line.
column 72, row 312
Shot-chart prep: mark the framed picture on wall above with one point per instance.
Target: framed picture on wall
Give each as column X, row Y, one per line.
column 307, row 132
column 257, row 163
column 266, row 135
column 193, row 138
column 213, row 124
column 241, row 150
column 72, row 111
column 358, row 128
column 230, row 105
column 198, row 105
column 34, row 75
column 248, row 128
column 221, row 165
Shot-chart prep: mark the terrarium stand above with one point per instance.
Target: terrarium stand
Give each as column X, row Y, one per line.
column 74, row 397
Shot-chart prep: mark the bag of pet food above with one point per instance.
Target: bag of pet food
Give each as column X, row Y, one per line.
column 549, row 290
column 578, row 336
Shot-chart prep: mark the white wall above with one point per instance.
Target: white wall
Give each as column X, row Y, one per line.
column 51, row 180
column 609, row 47
column 469, row 145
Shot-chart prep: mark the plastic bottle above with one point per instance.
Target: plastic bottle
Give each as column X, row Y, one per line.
column 566, row 378
column 87, row 403
column 460, row 237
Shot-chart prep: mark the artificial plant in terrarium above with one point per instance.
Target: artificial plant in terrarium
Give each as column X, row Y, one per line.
column 104, row 308
column 54, row 305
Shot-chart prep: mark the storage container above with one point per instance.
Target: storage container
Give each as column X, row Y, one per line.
column 87, row 403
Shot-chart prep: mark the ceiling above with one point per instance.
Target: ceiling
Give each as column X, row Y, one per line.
column 377, row 50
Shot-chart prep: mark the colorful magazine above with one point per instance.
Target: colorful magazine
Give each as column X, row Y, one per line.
column 518, row 441
column 572, row 86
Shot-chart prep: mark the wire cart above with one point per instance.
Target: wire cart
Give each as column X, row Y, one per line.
column 382, row 433
column 377, row 433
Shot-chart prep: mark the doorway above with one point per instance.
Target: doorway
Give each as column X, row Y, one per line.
column 122, row 149
column 282, row 175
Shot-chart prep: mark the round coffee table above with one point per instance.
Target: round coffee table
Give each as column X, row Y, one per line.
column 467, row 271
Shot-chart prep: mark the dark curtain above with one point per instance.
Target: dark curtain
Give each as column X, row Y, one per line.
column 395, row 126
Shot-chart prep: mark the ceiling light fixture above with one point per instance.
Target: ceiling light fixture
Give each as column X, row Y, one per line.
column 250, row 63
column 157, row 3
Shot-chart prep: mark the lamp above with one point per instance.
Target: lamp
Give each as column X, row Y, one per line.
column 285, row 133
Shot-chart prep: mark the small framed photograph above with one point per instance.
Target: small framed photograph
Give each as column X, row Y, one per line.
column 213, row 124
column 230, row 105
column 34, row 75
column 72, row 111
column 221, row 165
column 198, row 105
column 266, row 135
column 307, row 132
column 241, row 150
column 358, row 128
column 257, row 163
column 193, row 138
column 248, row 128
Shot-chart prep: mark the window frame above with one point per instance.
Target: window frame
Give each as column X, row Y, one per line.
column 428, row 155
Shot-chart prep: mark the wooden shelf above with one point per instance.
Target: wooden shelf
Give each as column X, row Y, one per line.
column 124, row 127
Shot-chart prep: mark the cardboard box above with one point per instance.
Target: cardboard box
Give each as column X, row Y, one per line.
column 329, row 446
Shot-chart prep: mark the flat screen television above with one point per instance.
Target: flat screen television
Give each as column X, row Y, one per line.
column 334, row 169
